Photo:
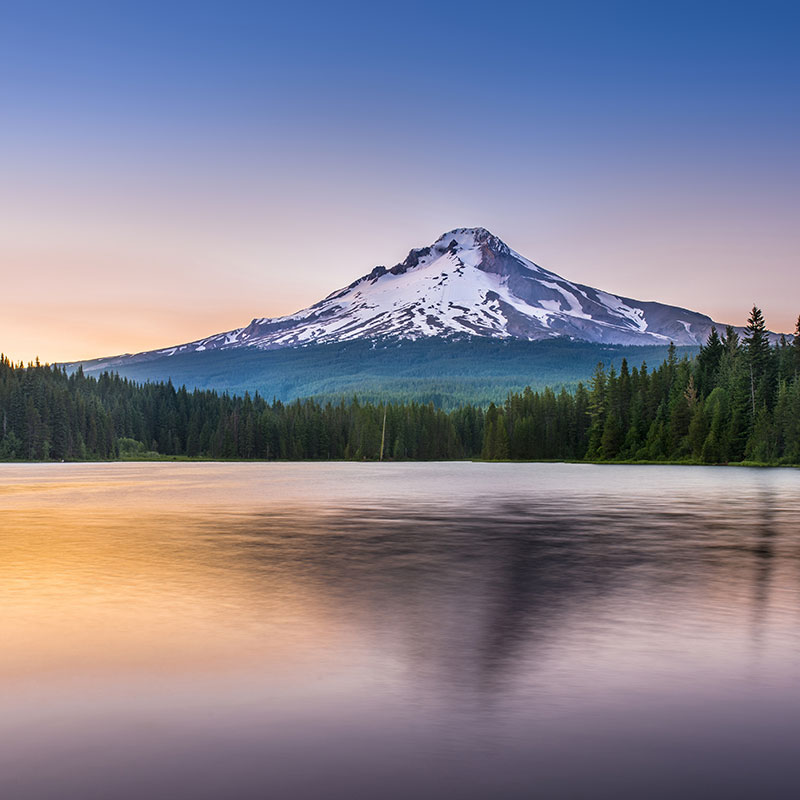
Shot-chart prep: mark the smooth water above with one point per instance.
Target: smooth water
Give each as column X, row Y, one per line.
column 398, row 631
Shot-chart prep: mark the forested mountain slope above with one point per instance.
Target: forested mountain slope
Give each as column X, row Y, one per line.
column 447, row 373
column 738, row 399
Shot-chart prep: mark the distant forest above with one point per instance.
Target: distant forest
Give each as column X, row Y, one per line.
column 446, row 372
column 737, row 400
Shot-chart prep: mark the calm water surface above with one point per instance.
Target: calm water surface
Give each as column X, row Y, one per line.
column 398, row 631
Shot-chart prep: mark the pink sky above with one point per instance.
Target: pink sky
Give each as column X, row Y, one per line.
column 166, row 181
column 123, row 266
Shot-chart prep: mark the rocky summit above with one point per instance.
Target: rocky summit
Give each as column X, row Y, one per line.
column 468, row 283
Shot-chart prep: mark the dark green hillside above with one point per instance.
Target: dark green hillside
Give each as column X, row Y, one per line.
column 739, row 399
column 477, row 371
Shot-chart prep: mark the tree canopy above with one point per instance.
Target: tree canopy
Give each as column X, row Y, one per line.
column 738, row 400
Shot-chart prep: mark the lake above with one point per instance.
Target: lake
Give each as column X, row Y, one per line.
column 449, row 630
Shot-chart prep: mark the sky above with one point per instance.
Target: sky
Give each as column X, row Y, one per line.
column 171, row 170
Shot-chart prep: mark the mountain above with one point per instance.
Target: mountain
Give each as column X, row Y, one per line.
column 468, row 283
column 465, row 319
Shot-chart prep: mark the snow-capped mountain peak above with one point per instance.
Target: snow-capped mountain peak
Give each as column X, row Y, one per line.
column 467, row 283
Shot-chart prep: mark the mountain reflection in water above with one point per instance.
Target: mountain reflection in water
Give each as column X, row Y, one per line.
column 246, row 630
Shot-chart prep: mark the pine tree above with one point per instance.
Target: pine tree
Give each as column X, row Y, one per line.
column 796, row 347
column 757, row 348
column 501, row 452
column 708, row 360
column 597, row 412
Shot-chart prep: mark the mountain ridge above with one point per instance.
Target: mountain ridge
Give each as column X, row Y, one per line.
column 468, row 283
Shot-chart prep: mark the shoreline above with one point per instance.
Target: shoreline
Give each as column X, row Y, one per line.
column 202, row 460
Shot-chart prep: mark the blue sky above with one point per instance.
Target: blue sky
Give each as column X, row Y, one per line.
column 174, row 169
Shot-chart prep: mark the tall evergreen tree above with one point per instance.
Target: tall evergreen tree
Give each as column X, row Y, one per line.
column 796, row 347
column 757, row 347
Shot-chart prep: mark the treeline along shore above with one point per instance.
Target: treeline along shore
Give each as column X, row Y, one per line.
column 737, row 401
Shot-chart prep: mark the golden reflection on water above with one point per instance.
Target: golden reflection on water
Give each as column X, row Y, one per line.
column 483, row 613
column 109, row 591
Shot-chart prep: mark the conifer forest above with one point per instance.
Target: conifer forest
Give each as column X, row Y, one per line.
column 737, row 401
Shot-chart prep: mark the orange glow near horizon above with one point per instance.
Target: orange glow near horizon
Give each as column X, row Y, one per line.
column 163, row 183
column 93, row 291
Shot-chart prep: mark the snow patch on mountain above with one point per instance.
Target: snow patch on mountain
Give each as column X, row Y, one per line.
column 467, row 283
